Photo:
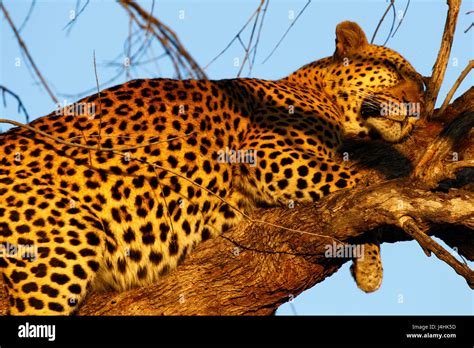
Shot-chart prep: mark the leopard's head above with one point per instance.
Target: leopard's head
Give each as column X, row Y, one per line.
column 379, row 93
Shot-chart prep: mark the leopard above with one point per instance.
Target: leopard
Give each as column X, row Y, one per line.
column 117, row 198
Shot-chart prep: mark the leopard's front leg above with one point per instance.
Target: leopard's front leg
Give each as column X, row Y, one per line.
column 299, row 168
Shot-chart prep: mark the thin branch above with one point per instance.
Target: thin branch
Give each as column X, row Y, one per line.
column 381, row 20
column 453, row 89
column 169, row 51
column 129, row 47
column 286, row 32
column 237, row 37
column 258, row 36
column 86, row 147
column 21, row 106
column 28, row 15
column 139, row 63
column 170, row 42
column 150, row 143
column 472, row 24
column 247, row 49
column 429, row 245
column 403, row 17
column 25, row 50
column 393, row 24
column 69, row 25
column 146, row 42
column 441, row 63
column 100, row 104
column 133, row 39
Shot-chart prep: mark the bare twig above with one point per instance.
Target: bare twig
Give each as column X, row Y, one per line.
column 237, row 37
column 179, row 56
column 472, row 24
column 393, row 23
column 429, row 245
column 150, row 143
column 25, row 50
column 21, row 106
column 401, row 20
column 257, row 40
column 129, row 47
column 78, row 11
column 100, row 104
column 441, row 63
column 453, row 89
column 28, row 15
column 87, row 147
column 92, row 89
column 247, row 49
column 146, row 42
column 286, row 32
column 381, row 20
column 169, row 50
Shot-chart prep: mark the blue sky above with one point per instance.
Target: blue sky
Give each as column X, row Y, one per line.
column 413, row 283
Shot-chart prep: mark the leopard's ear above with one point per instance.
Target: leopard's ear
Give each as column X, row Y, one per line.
column 349, row 39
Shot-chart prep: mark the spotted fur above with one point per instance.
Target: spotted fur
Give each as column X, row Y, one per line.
column 117, row 220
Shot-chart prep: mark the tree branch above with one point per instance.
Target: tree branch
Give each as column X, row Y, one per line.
column 391, row 5
column 431, row 168
column 21, row 106
column 236, row 274
column 453, row 89
column 441, row 63
column 429, row 245
column 179, row 56
column 27, row 52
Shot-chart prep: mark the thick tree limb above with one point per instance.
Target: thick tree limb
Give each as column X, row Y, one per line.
column 254, row 269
